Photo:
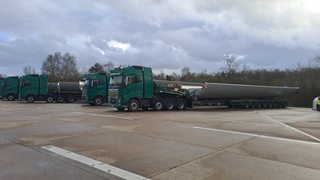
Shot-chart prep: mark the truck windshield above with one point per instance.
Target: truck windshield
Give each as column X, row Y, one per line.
column 87, row 83
column 115, row 80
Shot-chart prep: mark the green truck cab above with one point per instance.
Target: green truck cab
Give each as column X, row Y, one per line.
column 95, row 88
column 10, row 88
column 33, row 87
column 133, row 88
column 1, row 83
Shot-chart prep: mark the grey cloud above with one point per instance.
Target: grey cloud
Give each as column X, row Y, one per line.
column 162, row 34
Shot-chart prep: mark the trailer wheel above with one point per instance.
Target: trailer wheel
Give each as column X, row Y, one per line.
column 70, row 99
column 158, row 105
column 30, row 99
column 247, row 105
column 133, row 105
column 10, row 97
column 98, row 101
column 49, row 99
column 181, row 104
column 60, row 99
column 169, row 105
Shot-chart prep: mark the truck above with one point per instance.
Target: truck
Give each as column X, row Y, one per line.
column 133, row 88
column 10, row 88
column 35, row 87
column 95, row 88
column 1, row 82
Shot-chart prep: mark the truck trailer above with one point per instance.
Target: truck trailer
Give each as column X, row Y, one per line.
column 95, row 88
column 10, row 88
column 133, row 88
column 35, row 87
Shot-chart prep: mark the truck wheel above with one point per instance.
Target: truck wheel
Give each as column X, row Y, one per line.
column 60, row 99
column 133, row 105
column 247, row 105
column 181, row 104
column 98, row 101
column 49, row 99
column 10, row 97
column 318, row 107
column 71, row 99
column 30, row 99
column 158, row 105
column 169, row 105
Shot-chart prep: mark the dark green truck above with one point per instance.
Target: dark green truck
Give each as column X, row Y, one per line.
column 95, row 88
column 35, row 87
column 133, row 88
column 10, row 88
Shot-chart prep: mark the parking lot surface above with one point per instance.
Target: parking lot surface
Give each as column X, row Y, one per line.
column 77, row 141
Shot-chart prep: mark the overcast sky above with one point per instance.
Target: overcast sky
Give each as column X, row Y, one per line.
column 166, row 35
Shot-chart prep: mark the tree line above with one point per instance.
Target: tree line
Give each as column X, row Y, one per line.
column 60, row 67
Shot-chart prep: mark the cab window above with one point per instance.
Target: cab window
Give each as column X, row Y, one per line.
column 132, row 80
column 7, row 84
column 26, row 83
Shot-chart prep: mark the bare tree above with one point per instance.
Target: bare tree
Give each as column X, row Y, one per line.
column 185, row 71
column 29, row 70
column 69, row 70
column 52, row 66
column 108, row 67
column 59, row 67
column 232, row 63
column 316, row 60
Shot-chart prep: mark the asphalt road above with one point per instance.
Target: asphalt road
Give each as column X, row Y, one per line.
column 75, row 141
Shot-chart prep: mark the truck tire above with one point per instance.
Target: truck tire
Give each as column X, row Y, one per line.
column 10, row 97
column 181, row 104
column 246, row 105
column 133, row 105
column 158, row 105
column 70, row 99
column 49, row 99
column 98, row 101
column 60, row 99
column 318, row 107
column 30, row 99
column 169, row 105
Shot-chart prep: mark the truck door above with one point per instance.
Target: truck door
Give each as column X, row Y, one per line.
column 134, row 87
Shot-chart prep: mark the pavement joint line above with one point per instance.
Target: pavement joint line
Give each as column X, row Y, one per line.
column 94, row 163
column 101, row 115
column 256, row 135
column 297, row 130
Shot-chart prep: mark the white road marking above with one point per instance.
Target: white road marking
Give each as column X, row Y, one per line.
column 101, row 115
column 256, row 135
column 270, row 118
column 96, row 164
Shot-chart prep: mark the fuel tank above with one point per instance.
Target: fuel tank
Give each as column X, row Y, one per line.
column 69, row 87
